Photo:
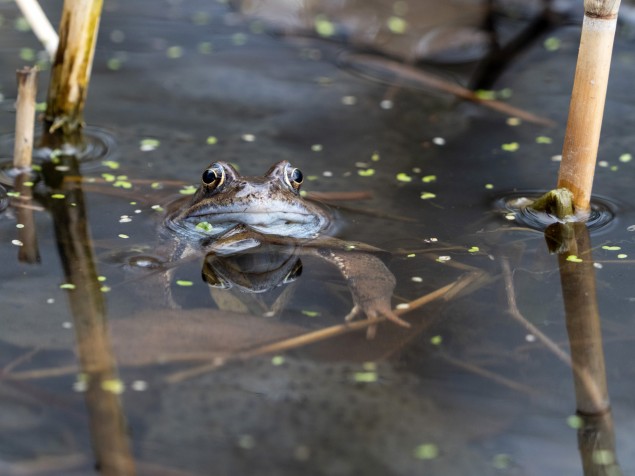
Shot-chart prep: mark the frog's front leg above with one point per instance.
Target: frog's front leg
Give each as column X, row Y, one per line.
column 369, row 280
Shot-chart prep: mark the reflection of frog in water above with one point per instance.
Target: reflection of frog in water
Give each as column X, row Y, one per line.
column 231, row 214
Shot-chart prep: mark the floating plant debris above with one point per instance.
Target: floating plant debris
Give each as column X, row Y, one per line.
column 149, row 144
column 426, row 451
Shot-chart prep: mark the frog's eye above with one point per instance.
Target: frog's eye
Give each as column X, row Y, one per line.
column 214, row 176
column 293, row 177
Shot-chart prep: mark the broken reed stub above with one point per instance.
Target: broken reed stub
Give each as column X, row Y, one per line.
column 586, row 110
column 601, row 8
column 25, row 117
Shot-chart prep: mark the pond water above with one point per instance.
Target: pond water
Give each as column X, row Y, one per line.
column 150, row 370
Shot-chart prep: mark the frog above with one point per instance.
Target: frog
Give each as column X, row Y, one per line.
column 230, row 213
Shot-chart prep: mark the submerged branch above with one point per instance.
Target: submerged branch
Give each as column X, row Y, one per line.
column 320, row 335
column 517, row 315
column 584, row 379
column 435, row 82
column 499, row 379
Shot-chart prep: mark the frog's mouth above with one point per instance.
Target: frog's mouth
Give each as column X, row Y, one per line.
column 259, row 218
column 290, row 224
column 269, row 222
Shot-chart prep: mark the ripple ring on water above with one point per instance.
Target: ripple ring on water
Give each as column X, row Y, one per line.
column 515, row 206
column 99, row 144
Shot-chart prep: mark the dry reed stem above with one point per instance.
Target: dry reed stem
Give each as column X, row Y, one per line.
column 41, row 26
column 25, row 117
column 582, row 137
column 70, row 73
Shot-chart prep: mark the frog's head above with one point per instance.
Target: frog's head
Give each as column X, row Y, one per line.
column 270, row 204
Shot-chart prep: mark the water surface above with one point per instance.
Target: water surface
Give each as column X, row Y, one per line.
column 469, row 389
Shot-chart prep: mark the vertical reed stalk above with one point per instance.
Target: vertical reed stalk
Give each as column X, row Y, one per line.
column 582, row 136
column 70, row 73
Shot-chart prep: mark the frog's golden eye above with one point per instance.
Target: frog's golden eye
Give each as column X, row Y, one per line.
column 293, row 177
column 214, row 176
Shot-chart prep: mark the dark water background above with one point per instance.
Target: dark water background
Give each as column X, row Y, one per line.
column 467, row 390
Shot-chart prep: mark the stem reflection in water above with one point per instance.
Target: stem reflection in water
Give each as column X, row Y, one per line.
column 107, row 424
column 595, row 435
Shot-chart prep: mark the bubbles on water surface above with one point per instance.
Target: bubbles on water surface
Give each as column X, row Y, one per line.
column 144, row 262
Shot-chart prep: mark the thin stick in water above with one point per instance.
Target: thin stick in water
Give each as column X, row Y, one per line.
column 517, row 315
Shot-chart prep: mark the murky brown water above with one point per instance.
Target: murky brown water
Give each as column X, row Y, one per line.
column 471, row 388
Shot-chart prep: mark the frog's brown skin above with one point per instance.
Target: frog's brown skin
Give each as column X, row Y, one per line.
column 230, row 212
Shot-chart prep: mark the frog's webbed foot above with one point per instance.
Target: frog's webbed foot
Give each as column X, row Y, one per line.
column 373, row 311
column 370, row 282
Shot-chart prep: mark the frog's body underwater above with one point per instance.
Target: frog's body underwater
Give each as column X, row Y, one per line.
column 230, row 213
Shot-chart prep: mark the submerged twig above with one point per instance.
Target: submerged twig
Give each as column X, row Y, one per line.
column 40, row 373
column 517, row 315
column 215, row 361
column 18, row 361
column 584, row 378
column 440, row 84
column 480, row 371
column 316, row 336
